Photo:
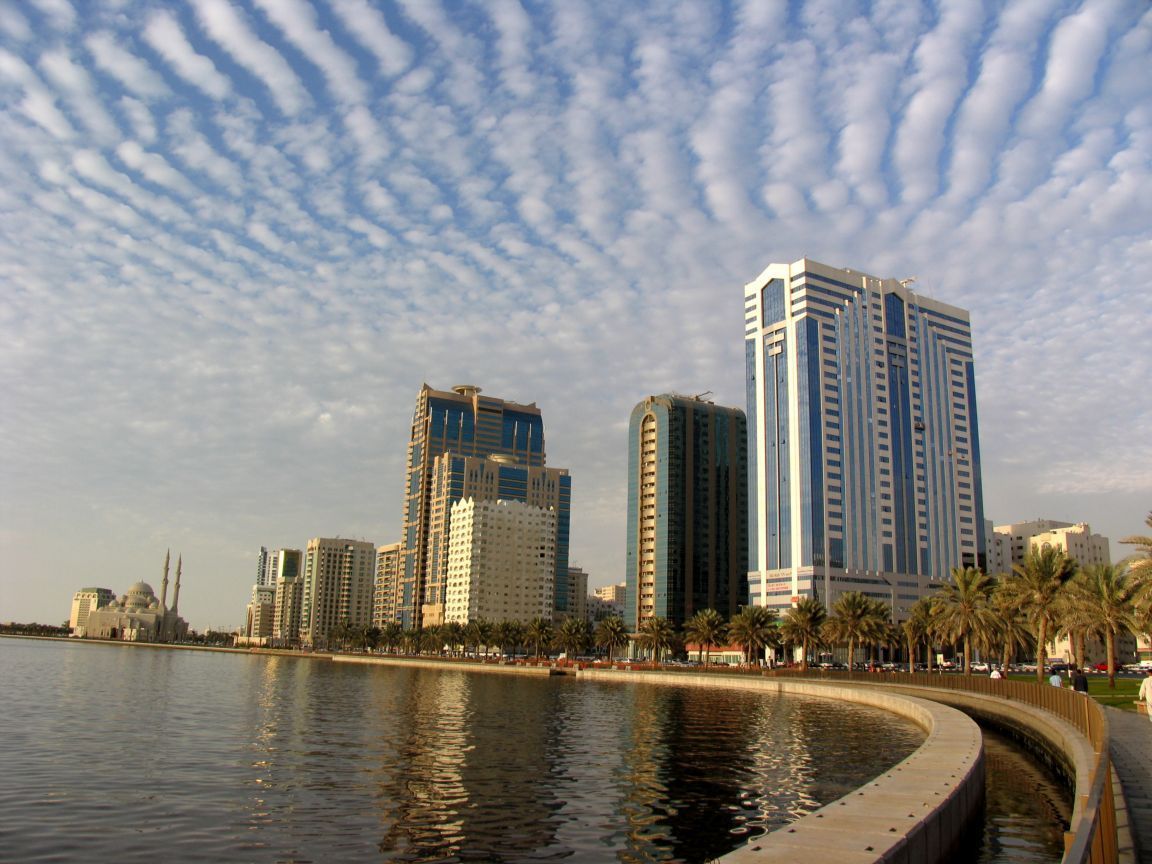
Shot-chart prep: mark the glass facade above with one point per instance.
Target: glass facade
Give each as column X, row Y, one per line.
column 687, row 509
column 863, row 436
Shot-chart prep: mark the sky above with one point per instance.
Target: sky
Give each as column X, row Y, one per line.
column 237, row 236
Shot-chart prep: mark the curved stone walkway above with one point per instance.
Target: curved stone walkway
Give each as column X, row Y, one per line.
column 1131, row 751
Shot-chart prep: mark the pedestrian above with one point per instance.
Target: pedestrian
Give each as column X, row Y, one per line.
column 1079, row 681
column 1055, row 680
column 1145, row 695
column 995, row 676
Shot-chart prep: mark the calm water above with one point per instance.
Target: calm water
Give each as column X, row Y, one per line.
column 135, row 754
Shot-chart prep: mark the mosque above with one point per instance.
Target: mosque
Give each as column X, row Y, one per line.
column 139, row 616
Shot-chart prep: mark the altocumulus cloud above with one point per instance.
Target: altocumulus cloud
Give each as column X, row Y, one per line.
column 237, row 235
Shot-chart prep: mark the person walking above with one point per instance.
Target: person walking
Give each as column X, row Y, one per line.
column 1145, row 694
column 995, row 676
column 1079, row 681
column 1055, row 680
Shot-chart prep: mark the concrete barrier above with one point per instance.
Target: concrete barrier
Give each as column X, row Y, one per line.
column 446, row 665
column 917, row 811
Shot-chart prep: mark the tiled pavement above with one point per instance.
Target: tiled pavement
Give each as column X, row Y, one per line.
column 1131, row 752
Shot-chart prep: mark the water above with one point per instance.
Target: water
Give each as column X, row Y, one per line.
column 1028, row 808
column 138, row 754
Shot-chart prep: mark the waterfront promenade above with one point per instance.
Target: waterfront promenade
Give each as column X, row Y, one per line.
column 1130, row 746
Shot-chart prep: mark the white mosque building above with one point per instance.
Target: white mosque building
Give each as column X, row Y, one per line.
column 139, row 615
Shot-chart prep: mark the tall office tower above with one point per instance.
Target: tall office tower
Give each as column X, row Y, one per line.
column 286, row 609
column 501, row 562
column 499, row 477
column 387, row 576
column 339, row 576
column 865, row 452
column 687, row 509
column 266, row 567
column 467, row 424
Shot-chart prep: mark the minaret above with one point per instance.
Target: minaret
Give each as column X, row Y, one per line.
column 164, row 584
column 176, row 594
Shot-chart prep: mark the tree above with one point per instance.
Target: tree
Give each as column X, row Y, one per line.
column 1011, row 631
column 754, row 628
column 656, row 635
column 390, row 635
column 1036, row 585
column 963, row 609
column 803, row 625
column 508, row 635
column 574, row 636
column 538, row 633
column 1140, row 565
column 855, row 619
column 918, row 630
column 454, row 636
column 611, row 633
column 1105, row 596
column 706, row 628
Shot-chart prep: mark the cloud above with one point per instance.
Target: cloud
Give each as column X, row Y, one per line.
column 228, row 29
column 364, row 23
column 163, row 33
column 127, row 68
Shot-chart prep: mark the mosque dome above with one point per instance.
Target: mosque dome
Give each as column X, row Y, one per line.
column 140, row 594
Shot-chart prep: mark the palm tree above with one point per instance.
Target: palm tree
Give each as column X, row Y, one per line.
column 963, row 609
column 1036, row 585
column 574, row 636
column 1011, row 631
column 454, row 636
column 611, row 633
column 390, row 635
column 656, row 635
column 508, row 635
column 753, row 628
column 1106, row 596
column 706, row 628
column 1140, row 565
column 538, row 633
column 919, row 630
column 855, row 619
column 803, row 625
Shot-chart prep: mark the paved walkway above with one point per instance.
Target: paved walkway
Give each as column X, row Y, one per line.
column 1131, row 752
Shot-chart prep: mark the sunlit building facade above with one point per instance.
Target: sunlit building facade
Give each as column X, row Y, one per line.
column 85, row 602
column 338, row 580
column 864, row 453
column 687, row 528
column 465, row 423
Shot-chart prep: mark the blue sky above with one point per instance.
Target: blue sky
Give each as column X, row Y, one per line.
column 236, row 236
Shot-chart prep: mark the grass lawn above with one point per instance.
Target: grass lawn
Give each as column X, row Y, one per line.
column 1123, row 697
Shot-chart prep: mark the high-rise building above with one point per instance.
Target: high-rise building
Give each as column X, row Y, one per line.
column 387, row 577
column 501, row 562
column 577, row 593
column 260, row 615
column 339, row 576
column 465, row 423
column 286, row 609
column 85, row 602
column 865, row 452
column 493, row 478
column 687, row 509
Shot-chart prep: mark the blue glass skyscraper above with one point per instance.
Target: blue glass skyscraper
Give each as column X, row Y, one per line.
column 864, row 443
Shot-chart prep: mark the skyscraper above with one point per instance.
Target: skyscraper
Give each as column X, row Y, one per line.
column 687, row 509
column 467, row 424
column 865, row 453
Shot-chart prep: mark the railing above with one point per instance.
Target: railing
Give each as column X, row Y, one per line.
column 1092, row 838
